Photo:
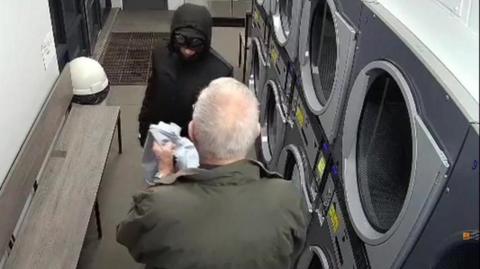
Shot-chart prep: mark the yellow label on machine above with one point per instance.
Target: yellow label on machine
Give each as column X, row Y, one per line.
column 274, row 54
column 322, row 164
column 300, row 115
column 256, row 16
column 332, row 214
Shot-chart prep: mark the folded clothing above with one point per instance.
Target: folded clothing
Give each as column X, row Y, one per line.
column 186, row 155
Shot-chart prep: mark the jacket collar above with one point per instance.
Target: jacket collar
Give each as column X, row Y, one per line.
column 232, row 174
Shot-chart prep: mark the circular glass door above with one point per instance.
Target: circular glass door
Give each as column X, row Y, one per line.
column 272, row 121
column 323, row 51
column 384, row 152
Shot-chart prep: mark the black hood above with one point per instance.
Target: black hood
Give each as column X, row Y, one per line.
column 195, row 17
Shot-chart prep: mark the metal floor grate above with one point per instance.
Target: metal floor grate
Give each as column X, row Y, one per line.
column 127, row 57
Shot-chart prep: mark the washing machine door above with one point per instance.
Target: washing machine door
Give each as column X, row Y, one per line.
column 326, row 51
column 293, row 165
column 286, row 24
column 273, row 122
column 393, row 169
column 259, row 68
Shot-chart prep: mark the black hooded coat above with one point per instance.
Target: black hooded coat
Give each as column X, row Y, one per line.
column 175, row 83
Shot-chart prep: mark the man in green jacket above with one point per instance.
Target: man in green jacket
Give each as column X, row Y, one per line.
column 231, row 213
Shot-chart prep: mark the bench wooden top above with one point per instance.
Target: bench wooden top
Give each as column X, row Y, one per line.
column 55, row 227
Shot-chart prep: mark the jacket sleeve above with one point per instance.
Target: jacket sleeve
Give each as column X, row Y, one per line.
column 132, row 231
column 299, row 232
column 147, row 115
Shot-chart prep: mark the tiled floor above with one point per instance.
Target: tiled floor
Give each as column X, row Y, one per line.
column 123, row 174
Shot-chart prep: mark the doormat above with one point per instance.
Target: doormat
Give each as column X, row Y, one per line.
column 127, row 57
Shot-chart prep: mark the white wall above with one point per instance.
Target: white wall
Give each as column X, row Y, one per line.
column 24, row 81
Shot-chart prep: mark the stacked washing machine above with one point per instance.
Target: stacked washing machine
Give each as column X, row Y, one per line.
column 379, row 139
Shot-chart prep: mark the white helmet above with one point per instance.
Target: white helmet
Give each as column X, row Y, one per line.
column 89, row 81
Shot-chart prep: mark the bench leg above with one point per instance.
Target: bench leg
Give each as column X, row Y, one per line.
column 97, row 218
column 119, row 130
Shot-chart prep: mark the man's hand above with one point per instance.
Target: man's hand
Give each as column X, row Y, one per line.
column 164, row 155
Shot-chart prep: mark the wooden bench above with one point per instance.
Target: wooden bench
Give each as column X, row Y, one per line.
column 54, row 228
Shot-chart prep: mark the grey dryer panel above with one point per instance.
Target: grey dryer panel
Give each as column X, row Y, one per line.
column 329, row 111
column 340, row 236
column 320, row 252
column 304, row 124
column 286, row 33
column 455, row 214
column 260, row 28
column 351, row 11
column 279, row 62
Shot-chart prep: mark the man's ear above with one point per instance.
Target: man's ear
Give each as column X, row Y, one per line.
column 190, row 131
column 259, row 129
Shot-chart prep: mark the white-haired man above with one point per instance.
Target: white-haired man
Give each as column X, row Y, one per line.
column 231, row 212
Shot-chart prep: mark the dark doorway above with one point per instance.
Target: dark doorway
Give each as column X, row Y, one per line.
column 76, row 24
column 145, row 4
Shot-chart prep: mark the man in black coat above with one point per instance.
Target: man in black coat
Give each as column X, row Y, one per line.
column 181, row 70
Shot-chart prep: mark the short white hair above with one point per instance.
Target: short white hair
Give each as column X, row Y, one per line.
column 225, row 120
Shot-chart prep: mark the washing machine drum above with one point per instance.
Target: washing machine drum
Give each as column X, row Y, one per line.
column 273, row 122
column 323, row 51
column 384, row 152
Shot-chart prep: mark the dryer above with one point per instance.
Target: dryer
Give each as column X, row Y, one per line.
column 327, row 43
column 286, row 25
column 404, row 127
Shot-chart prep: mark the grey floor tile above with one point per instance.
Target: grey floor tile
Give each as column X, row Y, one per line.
column 126, row 95
column 143, row 21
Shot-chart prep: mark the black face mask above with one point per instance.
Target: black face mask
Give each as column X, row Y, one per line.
column 193, row 43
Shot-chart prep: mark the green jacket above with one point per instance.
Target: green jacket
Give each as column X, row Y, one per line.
column 238, row 216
